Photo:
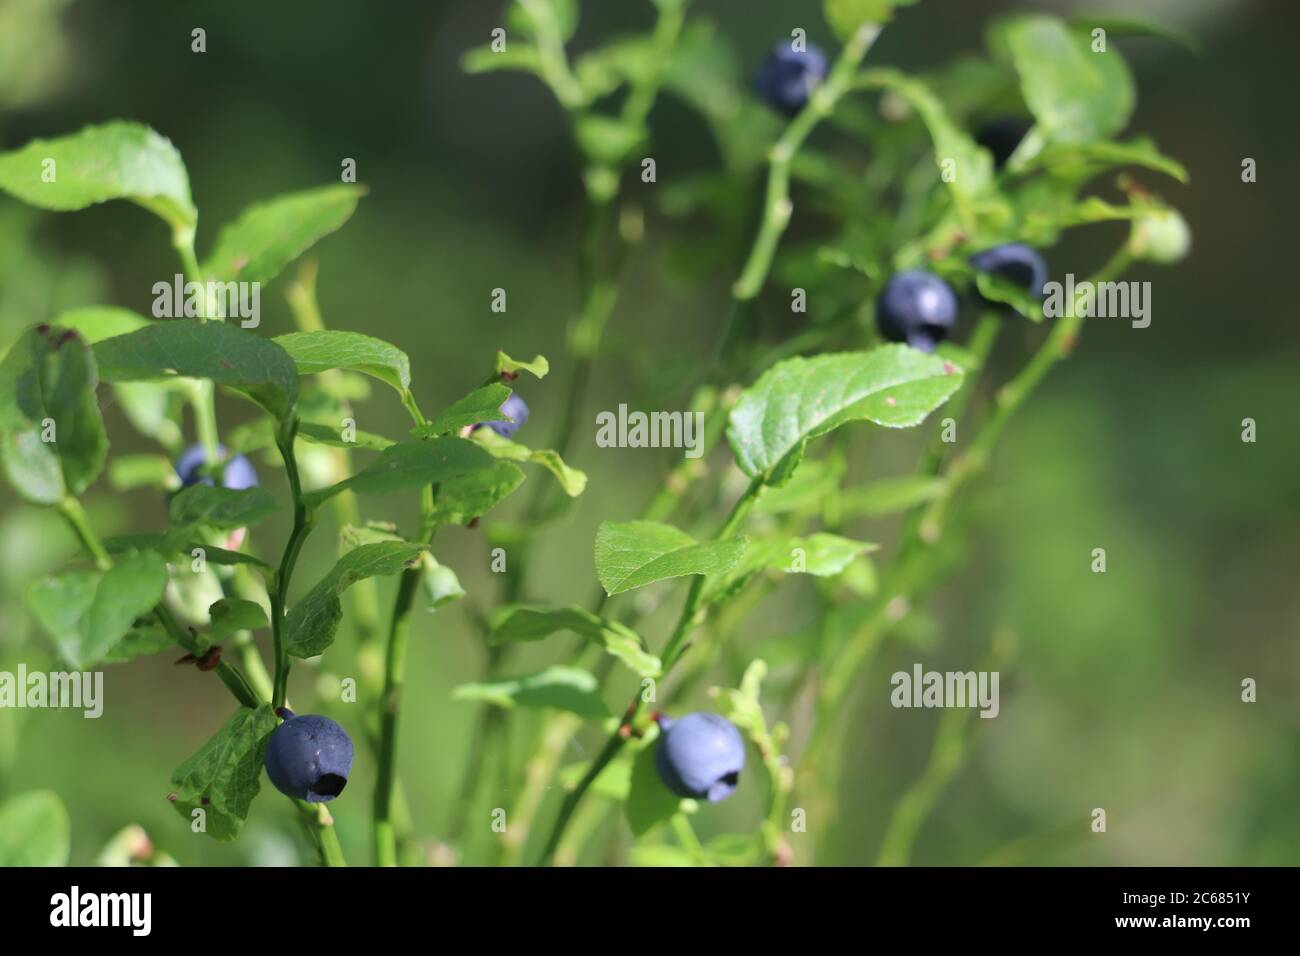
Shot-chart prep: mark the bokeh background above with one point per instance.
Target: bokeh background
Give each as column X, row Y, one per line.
column 1125, row 689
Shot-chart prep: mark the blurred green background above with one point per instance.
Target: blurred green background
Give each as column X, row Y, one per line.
column 1125, row 692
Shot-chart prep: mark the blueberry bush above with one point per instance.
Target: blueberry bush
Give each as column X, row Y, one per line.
column 907, row 222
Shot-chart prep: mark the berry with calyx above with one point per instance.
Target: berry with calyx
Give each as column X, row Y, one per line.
column 788, row 77
column 700, row 756
column 237, row 474
column 513, row 408
column 309, row 757
column 918, row 308
column 1015, row 262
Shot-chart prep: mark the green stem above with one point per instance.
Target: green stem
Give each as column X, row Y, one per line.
column 75, row 515
column 689, row 841
column 320, row 824
column 385, row 836
column 303, row 520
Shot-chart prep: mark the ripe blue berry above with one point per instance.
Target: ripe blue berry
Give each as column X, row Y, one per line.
column 700, row 755
column 513, row 407
column 788, row 77
column 918, row 308
column 309, row 757
column 1001, row 137
column 1015, row 262
column 237, row 475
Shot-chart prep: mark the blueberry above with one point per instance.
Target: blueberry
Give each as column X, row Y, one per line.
column 309, row 757
column 237, row 475
column 700, row 755
column 1015, row 262
column 513, row 407
column 1001, row 137
column 918, row 308
column 787, row 77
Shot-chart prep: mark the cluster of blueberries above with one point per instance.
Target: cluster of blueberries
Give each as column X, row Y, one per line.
column 915, row 306
column 700, row 755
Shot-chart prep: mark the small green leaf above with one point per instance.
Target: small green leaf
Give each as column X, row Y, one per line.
column 606, row 140
column 802, row 398
column 845, row 16
column 268, row 236
column 319, row 434
column 224, row 776
column 538, row 367
column 326, row 349
column 222, row 509
column 224, row 353
column 632, row 554
column 461, row 500
column 523, row 624
column 821, row 555
column 140, row 642
column 232, row 614
column 1076, row 95
column 481, row 405
column 118, row 160
column 88, row 612
column 34, row 830
column 1077, row 162
column 1124, row 25
column 560, row 688
column 409, row 465
column 311, row 625
column 889, row 496
column 52, row 439
column 528, row 17
column 572, row 481
column 649, row 802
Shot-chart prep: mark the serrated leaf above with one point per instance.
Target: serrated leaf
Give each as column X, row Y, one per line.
column 268, row 236
column 649, row 802
column 560, row 688
column 230, row 615
column 524, row 623
column 118, row 160
column 326, row 349
column 409, row 465
column 191, row 348
column 47, row 389
column 572, row 481
column 310, row 626
column 481, row 405
column 88, row 612
column 632, row 554
column 461, row 500
column 34, row 830
column 224, row 776
column 821, row 555
column 802, row 398
column 223, row 509
column 845, row 16
column 1077, row 96
column 538, row 367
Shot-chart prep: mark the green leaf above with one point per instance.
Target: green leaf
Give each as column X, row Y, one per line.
column 118, row 160
column 538, row 367
column 649, row 802
column 972, row 165
column 230, row 615
column 845, row 16
column 47, row 390
column 523, row 624
column 268, row 236
column 461, row 500
column 224, row 353
column 34, row 830
column 319, row 434
column 733, row 849
column 1124, row 25
column 802, row 398
column 1081, row 161
column 523, row 16
column 516, row 56
column 409, row 465
column 311, row 625
column 224, row 776
column 326, row 349
column 660, row 855
column 572, row 481
column 88, row 612
column 632, row 554
column 812, row 485
column 889, row 496
column 94, row 323
column 606, row 140
column 560, row 688
column 140, row 642
column 1077, row 96
column 821, row 555
column 481, row 405
column 222, row 509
